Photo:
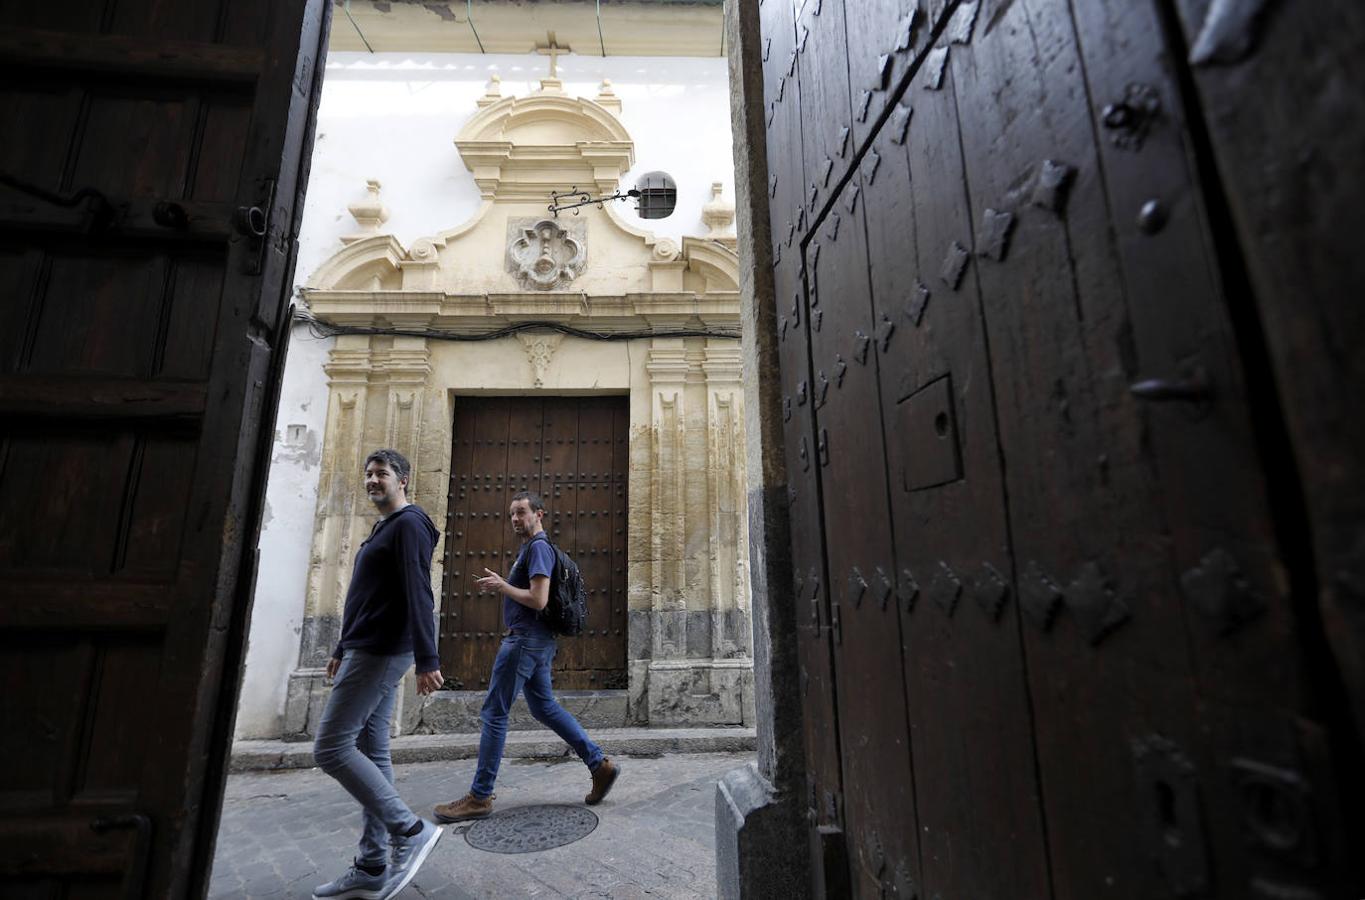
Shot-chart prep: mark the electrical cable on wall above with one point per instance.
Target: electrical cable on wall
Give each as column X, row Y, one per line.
column 320, row 329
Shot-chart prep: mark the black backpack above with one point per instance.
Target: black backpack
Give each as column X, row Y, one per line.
column 568, row 607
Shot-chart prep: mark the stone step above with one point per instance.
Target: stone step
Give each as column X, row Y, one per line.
column 457, row 712
column 253, row 756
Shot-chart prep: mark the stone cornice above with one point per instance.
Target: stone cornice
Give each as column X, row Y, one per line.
column 629, row 29
column 479, row 313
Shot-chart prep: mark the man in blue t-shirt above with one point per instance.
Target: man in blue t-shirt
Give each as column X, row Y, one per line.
column 523, row 666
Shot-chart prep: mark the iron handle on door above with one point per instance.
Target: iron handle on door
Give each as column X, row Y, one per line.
column 1194, row 387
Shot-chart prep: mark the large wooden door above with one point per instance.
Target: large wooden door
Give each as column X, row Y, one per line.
column 155, row 154
column 573, row 451
column 1052, row 647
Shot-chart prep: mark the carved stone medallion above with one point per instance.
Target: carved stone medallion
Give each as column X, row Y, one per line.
column 545, row 255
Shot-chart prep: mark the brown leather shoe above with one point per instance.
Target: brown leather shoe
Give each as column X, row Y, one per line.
column 467, row 807
column 603, row 777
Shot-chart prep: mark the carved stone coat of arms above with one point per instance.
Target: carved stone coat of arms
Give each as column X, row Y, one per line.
column 544, row 255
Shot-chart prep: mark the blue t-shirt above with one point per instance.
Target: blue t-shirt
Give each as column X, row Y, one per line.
column 537, row 557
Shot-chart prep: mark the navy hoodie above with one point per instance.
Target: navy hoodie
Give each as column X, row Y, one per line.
column 389, row 606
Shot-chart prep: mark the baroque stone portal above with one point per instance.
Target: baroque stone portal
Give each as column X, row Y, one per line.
column 543, row 255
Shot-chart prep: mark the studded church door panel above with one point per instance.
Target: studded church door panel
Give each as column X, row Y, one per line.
column 573, row 452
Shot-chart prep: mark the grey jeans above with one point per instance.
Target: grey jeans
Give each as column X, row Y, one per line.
column 352, row 745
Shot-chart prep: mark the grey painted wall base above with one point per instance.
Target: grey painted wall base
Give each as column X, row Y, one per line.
column 687, row 668
column 662, row 693
column 755, row 832
column 457, row 712
column 691, row 667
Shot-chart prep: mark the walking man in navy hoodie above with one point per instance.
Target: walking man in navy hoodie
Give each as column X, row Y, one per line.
column 388, row 623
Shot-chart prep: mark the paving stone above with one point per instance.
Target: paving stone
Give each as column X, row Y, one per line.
column 284, row 832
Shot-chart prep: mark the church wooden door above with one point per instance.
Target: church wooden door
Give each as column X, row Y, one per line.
column 155, row 157
column 573, row 452
column 1049, row 647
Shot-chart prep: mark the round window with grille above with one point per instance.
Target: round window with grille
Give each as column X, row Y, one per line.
column 658, row 196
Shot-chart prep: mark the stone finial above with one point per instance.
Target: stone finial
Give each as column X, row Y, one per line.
column 606, row 97
column 369, row 213
column 719, row 215
column 493, row 93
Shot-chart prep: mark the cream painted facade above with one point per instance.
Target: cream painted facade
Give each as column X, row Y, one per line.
column 515, row 263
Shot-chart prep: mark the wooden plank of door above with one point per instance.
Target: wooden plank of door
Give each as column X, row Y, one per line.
column 849, row 450
column 169, row 541
column 489, row 536
column 457, row 589
column 616, row 598
column 808, row 590
column 595, row 535
column 1224, row 558
column 979, row 822
column 1293, row 195
column 1096, row 603
column 559, row 468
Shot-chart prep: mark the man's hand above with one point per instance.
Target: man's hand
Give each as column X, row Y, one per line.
column 333, row 665
column 428, row 682
column 492, row 581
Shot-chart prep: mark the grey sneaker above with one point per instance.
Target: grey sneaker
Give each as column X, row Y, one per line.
column 354, row 884
column 408, row 856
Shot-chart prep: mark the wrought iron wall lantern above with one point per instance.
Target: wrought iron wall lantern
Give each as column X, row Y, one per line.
column 577, row 198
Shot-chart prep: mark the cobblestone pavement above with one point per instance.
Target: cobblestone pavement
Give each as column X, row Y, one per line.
column 282, row 833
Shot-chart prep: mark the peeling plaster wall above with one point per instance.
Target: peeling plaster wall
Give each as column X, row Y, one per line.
column 277, row 614
column 394, row 117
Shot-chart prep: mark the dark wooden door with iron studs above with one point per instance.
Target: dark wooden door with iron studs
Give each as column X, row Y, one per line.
column 1050, row 647
column 573, row 452
column 155, row 159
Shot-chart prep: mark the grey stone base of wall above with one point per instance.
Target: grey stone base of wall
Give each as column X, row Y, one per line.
column 457, row 712
column 688, row 668
column 662, row 692
column 255, row 756
column 305, row 699
column 695, row 692
column 760, row 849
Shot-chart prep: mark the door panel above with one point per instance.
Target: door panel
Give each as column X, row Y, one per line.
column 975, row 771
column 144, row 338
column 573, row 452
column 810, row 581
column 1017, row 386
column 849, row 450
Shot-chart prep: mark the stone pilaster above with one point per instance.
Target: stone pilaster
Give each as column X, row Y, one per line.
column 698, row 670
column 376, row 388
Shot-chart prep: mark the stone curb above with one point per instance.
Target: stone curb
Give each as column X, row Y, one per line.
column 259, row 756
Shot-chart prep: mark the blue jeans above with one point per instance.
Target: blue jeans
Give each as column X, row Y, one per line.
column 352, row 745
column 523, row 666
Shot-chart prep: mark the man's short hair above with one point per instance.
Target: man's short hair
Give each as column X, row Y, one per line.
column 532, row 499
column 396, row 461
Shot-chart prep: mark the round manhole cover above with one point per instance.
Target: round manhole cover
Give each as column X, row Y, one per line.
column 526, row 829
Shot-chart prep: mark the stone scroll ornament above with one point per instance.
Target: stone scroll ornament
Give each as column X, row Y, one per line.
column 544, row 255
